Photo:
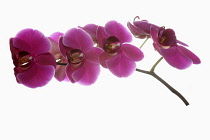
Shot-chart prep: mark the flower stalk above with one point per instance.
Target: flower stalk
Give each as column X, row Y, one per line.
column 152, row 73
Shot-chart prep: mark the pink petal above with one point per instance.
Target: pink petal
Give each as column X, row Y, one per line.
column 91, row 30
column 176, row 58
column 154, row 34
column 90, row 73
column 181, row 43
column 45, row 59
column 60, row 73
column 103, row 57
column 55, row 36
column 63, row 48
column 77, row 39
column 32, row 41
column 93, row 54
column 190, row 55
column 132, row 52
column 36, row 76
column 121, row 66
column 100, row 35
column 70, row 69
column 113, row 28
column 138, row 33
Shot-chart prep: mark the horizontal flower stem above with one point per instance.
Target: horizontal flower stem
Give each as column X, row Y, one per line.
column 63, row 64
column 152, row 73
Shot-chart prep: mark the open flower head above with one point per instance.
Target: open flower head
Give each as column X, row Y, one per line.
column 165, row 43
column 118, row 56
column 34, row 65
column 83, row 59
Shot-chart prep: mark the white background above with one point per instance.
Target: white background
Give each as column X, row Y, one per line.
column 134, row 108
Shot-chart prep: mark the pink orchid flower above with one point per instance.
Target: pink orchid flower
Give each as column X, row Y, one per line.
column 165, row 43
column 83, row 59
column 118, row 56
column 34, row 65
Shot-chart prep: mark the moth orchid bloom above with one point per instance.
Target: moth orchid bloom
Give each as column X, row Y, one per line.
column 34, row 65
column 118, row 56
column 142, row 29
column 166, row 44
column 83, row 59
column 60, row 71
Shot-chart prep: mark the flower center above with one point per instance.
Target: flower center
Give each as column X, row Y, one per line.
column 75, row 56
column 111, row 44
column 25, row 59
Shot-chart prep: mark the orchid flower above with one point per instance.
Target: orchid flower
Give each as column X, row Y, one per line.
column 34, row 65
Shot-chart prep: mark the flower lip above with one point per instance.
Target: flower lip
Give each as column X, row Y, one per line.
column 25, row 59
column 75, row 56
column 166, row 37
column 111, row 44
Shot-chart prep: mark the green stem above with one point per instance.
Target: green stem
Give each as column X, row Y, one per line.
column 63, row 64
column 154, row 66
column 152, row 73
column 144, row 42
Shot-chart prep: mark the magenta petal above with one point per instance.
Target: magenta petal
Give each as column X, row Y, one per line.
column 100, row 35
column 190, row 55
column 90, row 73
column 70, row 69
column 34, row 39
column 63, row 48
column 45, row 59
column 91, row 30
column 113, row 28
column 181, row 43
column 77, row 39
column 36, row 76
column 103, row 57
column 121, row 66
column 93, row 54
column 55, row 36
column 138, row 33
column 175, row 58
column 154, row 34
column 60, row 73
column 132, row 52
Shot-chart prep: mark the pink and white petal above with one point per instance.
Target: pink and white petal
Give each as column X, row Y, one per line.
column 100, row 36
column 190, row 55
column 45, row 59
column 175, row 58
column 132, row 52
column 113, row 28
column 90, row 73
column 77, row 39
column 92, row 54
column 34, row 39
column 121, row 66
column 55, row 36
column 36, row 76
